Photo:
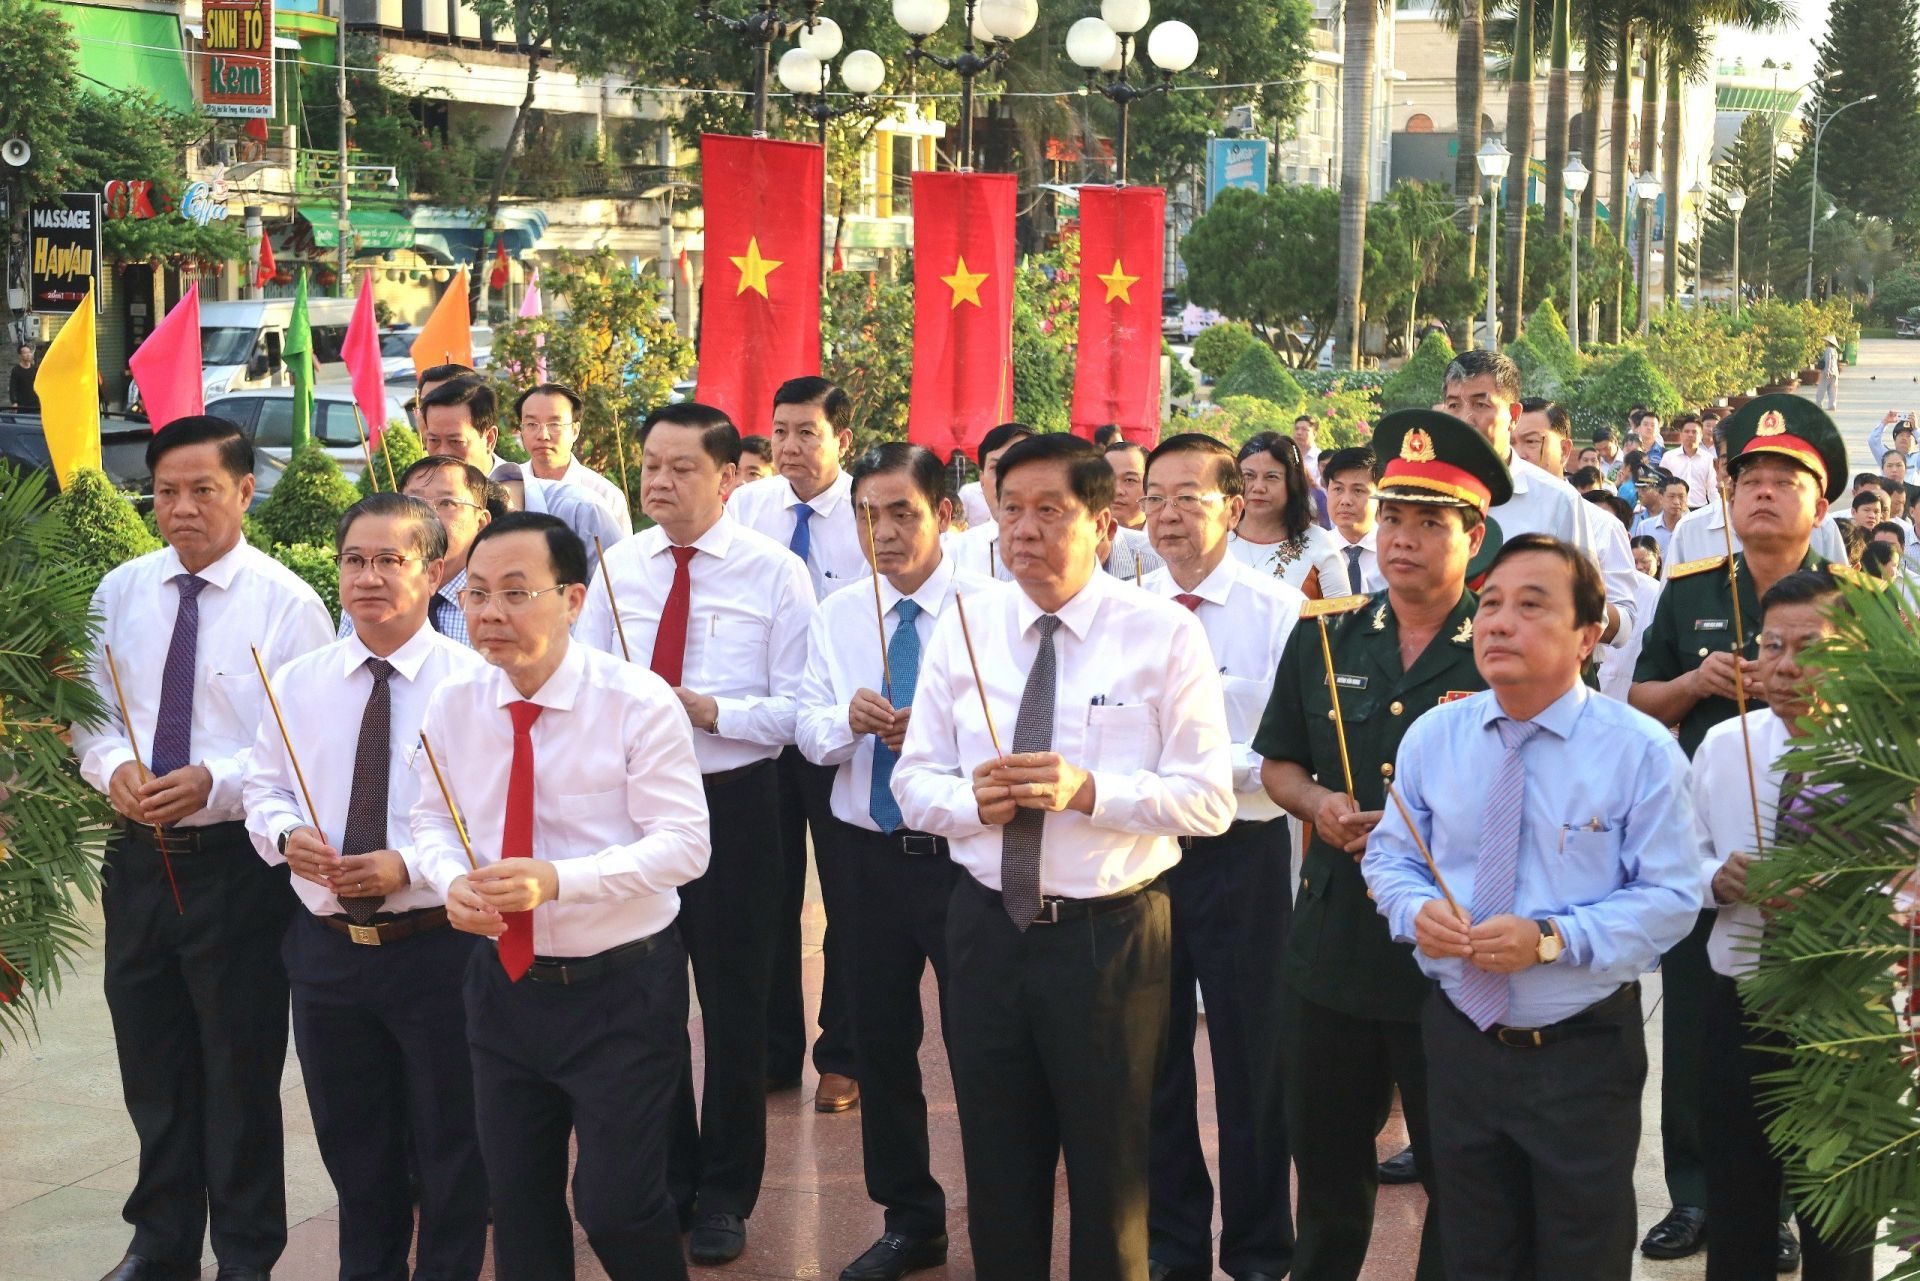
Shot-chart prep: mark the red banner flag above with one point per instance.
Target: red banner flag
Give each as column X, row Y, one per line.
column 760, row 295
column 1116, row 374
column 167, row 365
column 361, row 352
column 264, row 276
column 497, row 278
column 962, row 308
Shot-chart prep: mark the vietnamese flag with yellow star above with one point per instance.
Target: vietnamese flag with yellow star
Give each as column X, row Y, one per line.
column 760, row 299
column 962, row 308
column 1116, row 373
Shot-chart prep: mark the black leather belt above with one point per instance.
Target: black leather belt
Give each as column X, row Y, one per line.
column 1055, row 910
column 1601, row 1016
column 901, row 841
column 569, row 971
column 726, row 776
column 1237, row 828
column 185, row 840
column 387, row 927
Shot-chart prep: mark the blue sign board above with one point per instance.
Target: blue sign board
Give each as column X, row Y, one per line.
column 1236, row 162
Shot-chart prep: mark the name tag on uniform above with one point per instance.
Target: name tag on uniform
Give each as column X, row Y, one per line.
column 1350, row 682
column 1709, row 624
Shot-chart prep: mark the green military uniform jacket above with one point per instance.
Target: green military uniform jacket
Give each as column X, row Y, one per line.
column 1694, row 619
column 1339, row 951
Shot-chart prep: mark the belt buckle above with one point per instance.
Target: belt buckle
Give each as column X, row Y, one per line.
column 1521, row 1038
column 366, row 935
column 1049, row 912
column 920, row 845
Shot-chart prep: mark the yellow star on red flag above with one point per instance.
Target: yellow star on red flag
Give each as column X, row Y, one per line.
column 754, row 269
column 1119, row 284
column 965, row 284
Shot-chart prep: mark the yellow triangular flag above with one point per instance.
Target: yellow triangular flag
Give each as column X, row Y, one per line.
column 69, row 388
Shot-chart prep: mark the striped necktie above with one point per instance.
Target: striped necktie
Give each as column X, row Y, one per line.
column 1484, row 996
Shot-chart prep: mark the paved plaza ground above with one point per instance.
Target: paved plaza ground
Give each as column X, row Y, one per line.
column 67, row 1150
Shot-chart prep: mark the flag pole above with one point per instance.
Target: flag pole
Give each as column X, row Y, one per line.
column 600, row 555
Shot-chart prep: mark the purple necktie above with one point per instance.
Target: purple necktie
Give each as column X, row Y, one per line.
column 173, row 724
column 1484, row 995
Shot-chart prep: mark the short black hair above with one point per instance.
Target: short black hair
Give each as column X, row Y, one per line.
column 236, row 451
column 922, row 466
column 1668, row 480
column 1620, row 507
column 440, row 374
column 565, row 551
column 1682, row 419
column 1469, row 365
column 1869, row 497
column 1559, row 422
column 757, row 445
column 1589, row 592
column 718, row 436
column 429, row 535
column 472, row 477
column 1892, row 488
column 1602, row 433
column 999, row 438
column 1801, row 587
column 1892, row 527
column 471, row 390
column 561, row 390
column 1087, row 472
column 1879, row 559
column 1862, row 479
column 1226, row 471
column 812, row 389
column 1352, row 458
column 1105, row 434
column 1121, row 447
column 1585, row 479
column 1281, row 449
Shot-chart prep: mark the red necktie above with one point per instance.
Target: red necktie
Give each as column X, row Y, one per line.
column 670, row 641
column 1191, row 601
column 516, row 836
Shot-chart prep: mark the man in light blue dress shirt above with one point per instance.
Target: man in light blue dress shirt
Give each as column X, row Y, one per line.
column 1570, row 882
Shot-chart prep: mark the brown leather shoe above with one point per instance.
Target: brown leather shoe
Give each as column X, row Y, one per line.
column 836, row 1093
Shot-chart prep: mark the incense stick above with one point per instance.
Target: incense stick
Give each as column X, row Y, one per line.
column 1739, row 656
column 159, row 834
column 879, row 610
column 453, row 810
column 966, row 634
column 1421, row 845
column 1339, row 721
column 305, row 795
column 614, row 605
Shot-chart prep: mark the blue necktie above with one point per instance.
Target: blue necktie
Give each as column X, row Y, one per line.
column 903, row 673
column 1483, row 995
column 802, row 542
column 173, row 722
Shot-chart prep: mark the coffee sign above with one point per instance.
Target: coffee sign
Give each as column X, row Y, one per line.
column 237, row 57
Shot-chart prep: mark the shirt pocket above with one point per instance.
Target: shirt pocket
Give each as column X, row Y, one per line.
column 1586, row 865
column 1122, row 739
column 584, row 823
column 733, row 654
column 236, row 693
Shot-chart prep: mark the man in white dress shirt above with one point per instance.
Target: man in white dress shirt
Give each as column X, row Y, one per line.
column 520, row 490
column 460, row 418
column 194, row 977
column 855, row 705
column 1692, row 462
column 977, row 548
column 549, row 426
column 721, row 614
column 575, row 781
column 808, row 506
column 1230, row 895
column 1351, row 507
column 1108, row 703
column 376, row 973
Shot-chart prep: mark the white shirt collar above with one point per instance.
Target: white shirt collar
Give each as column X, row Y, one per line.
column 220, row 574
column 716, row 541
column 561, row 689
column 839, row 490
column 1216, row 587
column 1077, row 614
column 930, row 596
column 1369, row 540
column 407, row 660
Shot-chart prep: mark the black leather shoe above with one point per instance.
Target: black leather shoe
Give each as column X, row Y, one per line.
column 136, row 1268
column 1680, row 1234
column 1259, row 1276
column 243, row 1274
column 717, row 1238
column 1787, row 1258
column 1158, row 1271
column 894, row 1255
column 1400, row 1168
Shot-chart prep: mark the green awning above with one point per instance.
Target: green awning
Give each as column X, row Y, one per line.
column 372, row 228
column 1744, row 98
column 122, row 49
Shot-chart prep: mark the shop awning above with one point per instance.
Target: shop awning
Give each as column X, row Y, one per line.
column 372, row 228
column 122, row 47
column 456, row 234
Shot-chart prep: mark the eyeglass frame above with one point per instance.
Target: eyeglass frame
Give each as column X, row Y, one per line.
column 465, row 597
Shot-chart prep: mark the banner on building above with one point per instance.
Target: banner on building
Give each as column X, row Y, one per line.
column 1116, row 374
column 63, row 253
column 963, row 245
column 237, row 57
column 1236, row 162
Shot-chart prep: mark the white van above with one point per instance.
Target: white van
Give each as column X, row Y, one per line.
column 242, row 344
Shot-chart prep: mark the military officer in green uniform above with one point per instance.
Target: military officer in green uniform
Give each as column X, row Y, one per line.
column 1349, row 995
column 1786, row 462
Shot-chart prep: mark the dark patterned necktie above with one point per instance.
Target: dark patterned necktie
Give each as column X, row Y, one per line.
column 367, row 804
column 1353, row 568
column 1020, row 840
column 173, row 723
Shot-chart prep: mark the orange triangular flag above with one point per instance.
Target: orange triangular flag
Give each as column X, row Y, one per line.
column 447, row 337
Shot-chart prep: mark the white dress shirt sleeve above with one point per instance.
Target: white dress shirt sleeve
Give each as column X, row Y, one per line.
column 103, row 747
column 820, row 726
column 594, row 627
column 439, row 857
column 270, row 791
column 1612, row 552
column 299, row 626
column 769, row 720
column 933, row 786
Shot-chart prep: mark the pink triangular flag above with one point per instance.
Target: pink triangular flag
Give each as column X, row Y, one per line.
column 530, row 300
column 167, row 365
column 361, row 351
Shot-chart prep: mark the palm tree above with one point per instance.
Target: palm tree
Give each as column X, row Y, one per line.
column 1356, row 118
column 1559, row 57
column 1469, row 97
column 1520, row 143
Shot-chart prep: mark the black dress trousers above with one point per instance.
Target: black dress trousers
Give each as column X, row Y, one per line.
column 1230, row 908
column 806, row 792
column 382, row 1037
column 199, row 1007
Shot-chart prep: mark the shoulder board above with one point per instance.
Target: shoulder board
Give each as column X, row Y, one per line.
column 1700, row 566
column 1333, row 605
column 1856, row 578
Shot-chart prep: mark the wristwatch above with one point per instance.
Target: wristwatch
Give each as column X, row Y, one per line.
column 281, row 843
column 1551, row 944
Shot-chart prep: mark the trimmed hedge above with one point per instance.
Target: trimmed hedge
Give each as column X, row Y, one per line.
column 398, row 447
column 306, row 502
column 1420, row 382
column 106, row 529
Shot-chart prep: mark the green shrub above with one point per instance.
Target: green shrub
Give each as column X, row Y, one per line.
column 1604, row 396
column 399, row 449
column 1700, row 354
column 1238, row 419
column 1216, row 350
column 1179, row 381
column 306, row 502
column 106, row 529
column 1538, row 377
column 1420, row 382
column 1781, row 335
column 315, row 566
column 1547, row 332
column 1316, row 381
column 1345, row 418
column 1260, row 374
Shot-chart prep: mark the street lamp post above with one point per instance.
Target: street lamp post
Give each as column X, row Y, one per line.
column 1492, row 160
column 1699, row 194
column 1647, row 188
column 760, row 29
column 1736, row 201
column 1102, row 45
column 1574, row 178
column 995, row 23
column 1813, row 201
column 805, row 73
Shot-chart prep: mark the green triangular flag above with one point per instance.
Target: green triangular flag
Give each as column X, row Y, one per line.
column 298, row 351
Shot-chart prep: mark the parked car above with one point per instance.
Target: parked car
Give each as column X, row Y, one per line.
column 266, row 417
column 123, row 450
column 1907, row 326
column 396, row 349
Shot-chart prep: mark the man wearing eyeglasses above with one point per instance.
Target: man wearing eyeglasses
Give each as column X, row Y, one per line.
column 1230, row 895
column 375, row 971
column 549, row 426
column 456, row 490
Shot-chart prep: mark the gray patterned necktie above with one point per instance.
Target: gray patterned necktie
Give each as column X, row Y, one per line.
column 1032, row 732
column 367, row 803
